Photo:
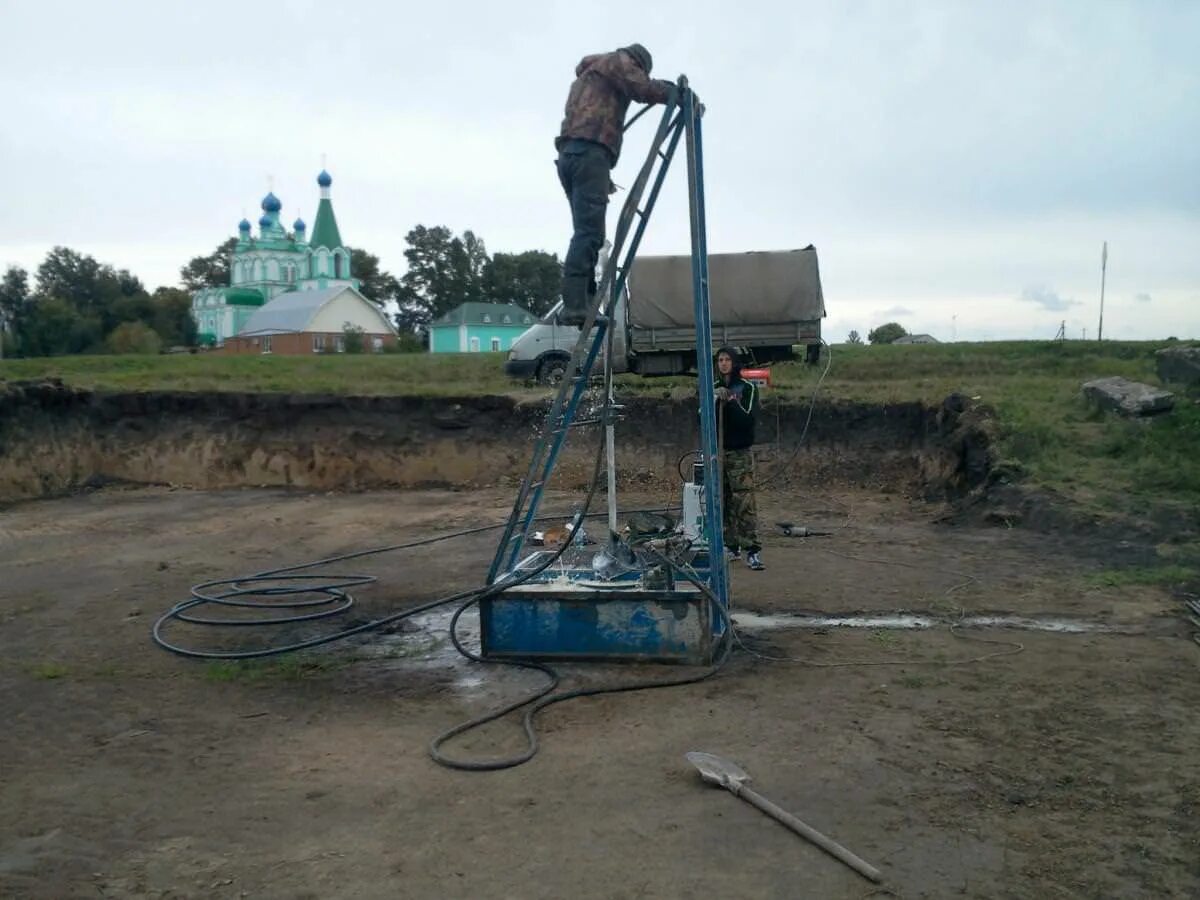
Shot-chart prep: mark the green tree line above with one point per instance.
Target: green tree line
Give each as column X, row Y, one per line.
column 76, row 304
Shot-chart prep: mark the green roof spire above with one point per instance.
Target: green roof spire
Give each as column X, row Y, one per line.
column 325, row 229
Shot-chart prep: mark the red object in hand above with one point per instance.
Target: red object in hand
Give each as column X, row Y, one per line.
column 760, row 377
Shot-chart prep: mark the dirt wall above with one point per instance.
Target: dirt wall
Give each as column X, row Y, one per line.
column 55, row 438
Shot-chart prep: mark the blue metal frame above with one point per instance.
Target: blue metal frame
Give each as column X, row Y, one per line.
column 677, row 120
column 562, row 410
column 713, row 489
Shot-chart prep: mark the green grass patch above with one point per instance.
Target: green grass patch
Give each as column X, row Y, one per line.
column 289, row 667
column 392, row 374
column 1142, row 575
column 50, row 671
column 884, row 638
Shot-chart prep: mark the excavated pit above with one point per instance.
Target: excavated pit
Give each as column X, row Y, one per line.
column 55, row 439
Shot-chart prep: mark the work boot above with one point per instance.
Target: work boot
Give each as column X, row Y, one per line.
column 754, row 561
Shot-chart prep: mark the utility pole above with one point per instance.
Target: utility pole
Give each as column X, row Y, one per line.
column 954, row 327
column 1103, row 272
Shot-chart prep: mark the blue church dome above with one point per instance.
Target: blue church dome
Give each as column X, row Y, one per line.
column 324, row 179
column 299, row 225
column 265, row 221
column 244, row 225
column 271, row 203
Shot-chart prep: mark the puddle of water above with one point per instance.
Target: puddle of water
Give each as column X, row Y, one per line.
column 429, row 647
column 756, row 621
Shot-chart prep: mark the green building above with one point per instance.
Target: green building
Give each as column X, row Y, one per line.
column 274, row 263
column 479, row 328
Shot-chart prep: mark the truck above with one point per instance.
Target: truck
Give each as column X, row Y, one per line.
column 766, row 303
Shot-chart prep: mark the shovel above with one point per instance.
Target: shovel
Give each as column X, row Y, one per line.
column 725, row 774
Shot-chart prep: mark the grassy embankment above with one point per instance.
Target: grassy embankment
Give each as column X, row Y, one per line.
column 1047, row 433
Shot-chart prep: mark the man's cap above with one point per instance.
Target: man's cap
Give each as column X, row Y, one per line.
column 641, row 55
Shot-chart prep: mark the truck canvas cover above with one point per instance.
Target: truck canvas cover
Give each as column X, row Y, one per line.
column 758, row 288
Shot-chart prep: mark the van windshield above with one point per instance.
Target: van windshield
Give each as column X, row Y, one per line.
column 551, row 318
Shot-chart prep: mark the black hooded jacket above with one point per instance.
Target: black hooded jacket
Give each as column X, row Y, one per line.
column 740, row 410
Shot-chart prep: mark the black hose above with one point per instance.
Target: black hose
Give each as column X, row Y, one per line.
column 334, row 590
column 540, row 700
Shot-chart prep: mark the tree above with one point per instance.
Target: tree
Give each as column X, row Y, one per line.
column 53, row 327
column 854, row 338
column 134, row 337
column 211, row 270
column 376, row 285
column 886, row 334
column 14, row 303
column 473, row 265
column 172, row 317
column 444, row 271
column 91, row 288
column 531, row 279
column 353, row 339
column 71, row 277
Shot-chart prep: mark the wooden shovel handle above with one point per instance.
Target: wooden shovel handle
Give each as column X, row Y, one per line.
column 833, row 848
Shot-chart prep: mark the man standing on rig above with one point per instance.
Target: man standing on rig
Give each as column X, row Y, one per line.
column 589, row 145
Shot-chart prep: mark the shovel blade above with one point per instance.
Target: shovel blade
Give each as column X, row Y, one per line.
column 716, row 770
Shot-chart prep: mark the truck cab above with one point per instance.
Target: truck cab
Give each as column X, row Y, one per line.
column 542, row 353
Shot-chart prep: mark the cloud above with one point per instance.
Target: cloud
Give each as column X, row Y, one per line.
column 1046, row 298
column 895, row 311
column 1142, row 298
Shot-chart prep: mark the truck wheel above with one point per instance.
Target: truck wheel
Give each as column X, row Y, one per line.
column 553, row 371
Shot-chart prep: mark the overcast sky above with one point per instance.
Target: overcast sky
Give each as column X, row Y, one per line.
column 956, row 164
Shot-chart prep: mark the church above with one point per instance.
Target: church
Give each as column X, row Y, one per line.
column 259, row 310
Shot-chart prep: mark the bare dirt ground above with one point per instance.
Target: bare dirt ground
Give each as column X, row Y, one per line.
column 1066, row 770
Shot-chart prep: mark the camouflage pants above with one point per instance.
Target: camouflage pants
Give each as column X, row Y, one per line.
column 741, row 516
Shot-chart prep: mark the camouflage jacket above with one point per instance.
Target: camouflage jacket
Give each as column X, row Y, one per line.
column 604, row 84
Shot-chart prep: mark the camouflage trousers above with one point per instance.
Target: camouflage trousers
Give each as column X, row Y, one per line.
column 741, row 515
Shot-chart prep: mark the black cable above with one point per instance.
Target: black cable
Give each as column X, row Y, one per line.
column 334, row 589
column 540, row 700
column 783, row 466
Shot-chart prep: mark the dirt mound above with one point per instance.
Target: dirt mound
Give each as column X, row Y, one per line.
column 55, row 438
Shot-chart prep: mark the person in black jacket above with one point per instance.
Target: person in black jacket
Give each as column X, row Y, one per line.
column 737, row 406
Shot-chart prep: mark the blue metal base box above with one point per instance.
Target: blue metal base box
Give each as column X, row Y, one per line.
column 554, row 621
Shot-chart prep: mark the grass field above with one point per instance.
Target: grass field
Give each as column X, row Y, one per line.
column 1047, row 433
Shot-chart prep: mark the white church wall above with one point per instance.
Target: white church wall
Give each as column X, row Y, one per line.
column 348, row 307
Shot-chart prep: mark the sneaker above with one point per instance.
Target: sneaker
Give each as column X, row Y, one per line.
column 755, row 562
column 734, row 554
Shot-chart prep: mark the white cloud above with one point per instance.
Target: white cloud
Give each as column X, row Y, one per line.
column 1046, row 298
